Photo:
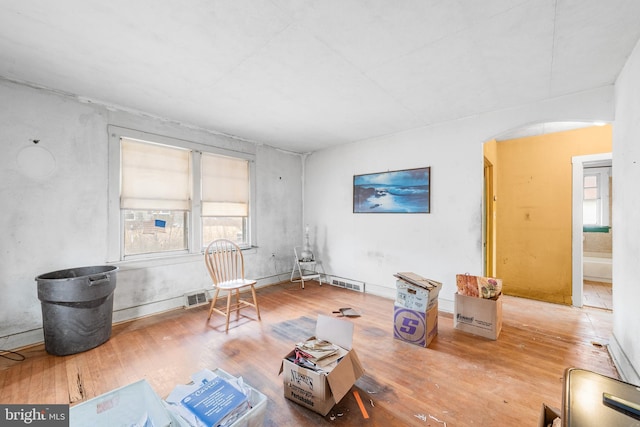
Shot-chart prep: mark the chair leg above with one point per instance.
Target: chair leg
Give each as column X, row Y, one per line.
column 228, row 310
column 238, row 304
column 293, row 270
column 255, row 301
column 213, row 302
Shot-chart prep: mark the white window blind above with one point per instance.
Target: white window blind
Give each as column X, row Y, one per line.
column 154, row 176
column 225, row 186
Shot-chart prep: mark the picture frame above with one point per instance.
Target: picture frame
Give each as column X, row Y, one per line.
column 400, row 191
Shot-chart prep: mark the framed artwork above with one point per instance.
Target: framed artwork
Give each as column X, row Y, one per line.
column 402, row 191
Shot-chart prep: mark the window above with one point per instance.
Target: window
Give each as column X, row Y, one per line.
column 155, row 197
column 595, row 199
column 225, row 198
column 171, row 197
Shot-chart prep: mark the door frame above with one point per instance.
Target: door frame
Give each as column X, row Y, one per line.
column 578, row 163
column 488, row 229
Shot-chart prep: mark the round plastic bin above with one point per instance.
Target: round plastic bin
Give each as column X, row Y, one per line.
column 77, row 308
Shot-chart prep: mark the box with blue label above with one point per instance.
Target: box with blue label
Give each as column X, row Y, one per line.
column 415, row 326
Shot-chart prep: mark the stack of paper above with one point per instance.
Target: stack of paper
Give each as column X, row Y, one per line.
column 318, row 352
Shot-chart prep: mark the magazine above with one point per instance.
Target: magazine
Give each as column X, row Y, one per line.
column 212, row 402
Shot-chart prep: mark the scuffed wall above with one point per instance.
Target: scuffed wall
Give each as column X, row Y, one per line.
column 438, row 245
column 54, row 194
column 626, row 227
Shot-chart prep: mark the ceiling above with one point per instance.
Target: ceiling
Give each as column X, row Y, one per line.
column 303, row 75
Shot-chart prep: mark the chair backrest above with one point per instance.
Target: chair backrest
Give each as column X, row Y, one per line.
column 224, row 261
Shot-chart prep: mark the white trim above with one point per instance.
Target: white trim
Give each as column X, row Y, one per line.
column 623, row 364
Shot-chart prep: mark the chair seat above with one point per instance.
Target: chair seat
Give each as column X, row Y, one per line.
column 235, row 284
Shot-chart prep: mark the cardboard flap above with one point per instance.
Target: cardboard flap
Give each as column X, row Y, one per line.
column 336, row 331
column 418, row 280
column 343, row 376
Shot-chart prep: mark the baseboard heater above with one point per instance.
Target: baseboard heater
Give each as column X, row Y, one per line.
column 195, row 299
column 341, row 282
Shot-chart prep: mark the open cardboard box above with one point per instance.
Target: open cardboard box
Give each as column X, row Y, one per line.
column 547, row 415
column 321, row 390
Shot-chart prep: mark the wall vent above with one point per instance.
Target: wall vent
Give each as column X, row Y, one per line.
column 341, row 282
column 194, row 299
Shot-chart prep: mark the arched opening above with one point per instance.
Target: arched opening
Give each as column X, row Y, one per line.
column 533, row 245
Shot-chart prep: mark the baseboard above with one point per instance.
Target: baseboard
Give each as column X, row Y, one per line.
column 444, row 305
column 22, row 340
column 625, row 369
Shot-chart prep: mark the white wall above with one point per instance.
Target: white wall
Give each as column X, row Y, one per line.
column 626, row 227
column 58, row 219
column 372, row 247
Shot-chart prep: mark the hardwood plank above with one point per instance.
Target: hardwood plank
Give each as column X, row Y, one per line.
column 460, row 379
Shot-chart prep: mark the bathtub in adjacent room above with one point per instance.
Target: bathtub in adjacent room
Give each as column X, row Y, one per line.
column 596, row 266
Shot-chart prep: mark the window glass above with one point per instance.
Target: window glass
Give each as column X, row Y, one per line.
column 232, row 228
column 590, row 193
column 149, row 231
column 590, row 181
column 590, row 212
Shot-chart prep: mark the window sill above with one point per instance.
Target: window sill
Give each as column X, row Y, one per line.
column 141, row 263
column 595, row 229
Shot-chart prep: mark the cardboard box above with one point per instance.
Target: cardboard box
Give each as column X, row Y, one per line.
column 547, row 415
column 321, row 390
column 478, row 316
column 124, row 406
column 415, row 326
column 415, row 292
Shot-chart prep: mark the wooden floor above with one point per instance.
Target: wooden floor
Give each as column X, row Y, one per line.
column 460, row 379
column 597, row 294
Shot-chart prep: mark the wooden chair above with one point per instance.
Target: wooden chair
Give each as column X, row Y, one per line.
column 225, row 263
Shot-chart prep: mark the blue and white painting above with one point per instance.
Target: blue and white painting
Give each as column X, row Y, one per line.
column 404, row 191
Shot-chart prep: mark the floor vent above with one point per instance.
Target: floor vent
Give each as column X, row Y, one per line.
column 353, row 285
column 194, row 299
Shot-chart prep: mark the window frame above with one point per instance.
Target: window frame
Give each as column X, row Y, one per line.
column 195, row 245
column 603, row 174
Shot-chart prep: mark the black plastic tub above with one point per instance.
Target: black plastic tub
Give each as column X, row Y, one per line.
column 77, row 308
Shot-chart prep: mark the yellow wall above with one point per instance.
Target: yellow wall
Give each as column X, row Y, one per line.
column 533, row 221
